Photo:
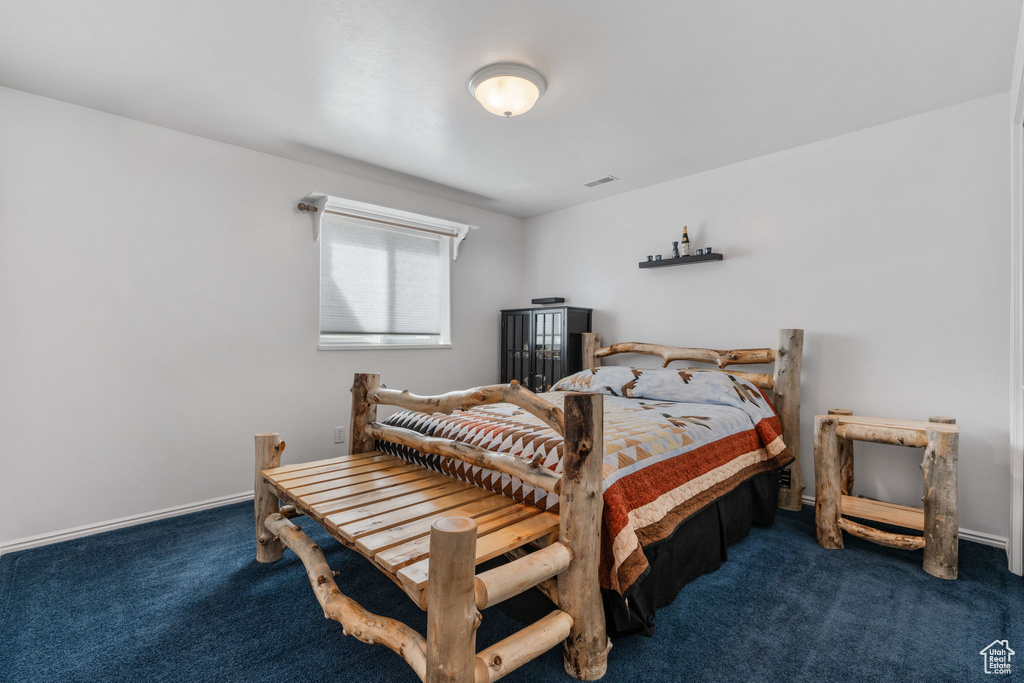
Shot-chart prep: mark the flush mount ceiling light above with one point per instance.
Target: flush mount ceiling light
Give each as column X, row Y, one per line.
column 507, row 89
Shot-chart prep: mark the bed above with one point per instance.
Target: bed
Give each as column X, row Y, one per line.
column 587, row 489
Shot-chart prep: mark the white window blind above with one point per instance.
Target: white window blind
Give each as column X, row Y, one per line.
column 382, row 285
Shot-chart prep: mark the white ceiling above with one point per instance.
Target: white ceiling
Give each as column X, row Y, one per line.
column 646, row 91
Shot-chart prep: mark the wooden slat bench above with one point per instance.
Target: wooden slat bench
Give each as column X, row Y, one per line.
column 427, row 532
column 384, row 507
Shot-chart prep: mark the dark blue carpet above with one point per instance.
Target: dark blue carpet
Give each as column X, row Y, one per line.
column 183, row 600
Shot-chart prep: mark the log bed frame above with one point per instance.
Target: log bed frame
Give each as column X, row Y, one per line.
column 427, row 532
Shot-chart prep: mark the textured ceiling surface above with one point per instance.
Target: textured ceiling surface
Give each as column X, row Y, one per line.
column 646, row 91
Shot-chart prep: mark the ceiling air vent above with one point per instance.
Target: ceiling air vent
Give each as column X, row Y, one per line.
column 600, row 181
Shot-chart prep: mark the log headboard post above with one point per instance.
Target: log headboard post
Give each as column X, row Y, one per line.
column 591, row 343
column 786, row 394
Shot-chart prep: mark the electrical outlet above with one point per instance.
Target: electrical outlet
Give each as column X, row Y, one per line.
column 339, row 435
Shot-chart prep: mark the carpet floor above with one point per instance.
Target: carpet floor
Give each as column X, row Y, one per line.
column 183, row 600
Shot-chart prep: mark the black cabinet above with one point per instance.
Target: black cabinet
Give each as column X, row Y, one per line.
column 539, row 346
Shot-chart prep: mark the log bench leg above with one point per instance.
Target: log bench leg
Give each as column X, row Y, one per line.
column 452, row 618
column 265, row 502
column 941, row 520
column 845, row 457
column 827, row 483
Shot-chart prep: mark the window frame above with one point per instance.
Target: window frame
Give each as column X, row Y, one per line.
column 451, row 235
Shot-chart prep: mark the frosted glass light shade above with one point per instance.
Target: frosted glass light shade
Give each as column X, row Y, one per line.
column 507, row 89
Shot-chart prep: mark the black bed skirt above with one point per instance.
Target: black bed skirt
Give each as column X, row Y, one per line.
column 698, row 546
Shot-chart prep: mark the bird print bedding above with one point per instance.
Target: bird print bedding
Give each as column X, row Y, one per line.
column 674, row 441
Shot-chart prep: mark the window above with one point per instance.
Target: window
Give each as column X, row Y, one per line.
column 382, row 285
column 384, row 276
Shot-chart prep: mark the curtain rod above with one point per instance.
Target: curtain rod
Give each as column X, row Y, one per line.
column 309, row 207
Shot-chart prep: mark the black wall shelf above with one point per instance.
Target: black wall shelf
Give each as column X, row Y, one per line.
column 681, row 261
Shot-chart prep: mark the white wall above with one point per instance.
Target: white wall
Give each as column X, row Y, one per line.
column 158, row 299
column 889, row 246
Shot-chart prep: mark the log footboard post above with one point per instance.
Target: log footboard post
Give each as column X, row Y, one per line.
column 579, row 591
column 363, row 412
column 452, row 618
column 265, row 501
column 786, row 396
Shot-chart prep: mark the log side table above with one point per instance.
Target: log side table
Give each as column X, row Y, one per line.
column 834, row 435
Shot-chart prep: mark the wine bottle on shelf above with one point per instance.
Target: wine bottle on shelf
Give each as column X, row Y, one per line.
column 684, row 244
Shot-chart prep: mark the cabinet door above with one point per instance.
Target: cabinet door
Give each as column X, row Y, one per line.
column 548, row 348
column 515, row 347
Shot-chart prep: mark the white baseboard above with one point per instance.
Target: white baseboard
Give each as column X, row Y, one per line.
column 965, row 534
column 110, row 525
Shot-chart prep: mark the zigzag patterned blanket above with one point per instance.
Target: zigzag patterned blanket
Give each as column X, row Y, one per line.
column 674, row 442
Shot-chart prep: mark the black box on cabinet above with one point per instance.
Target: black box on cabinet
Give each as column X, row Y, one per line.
column 539, row 346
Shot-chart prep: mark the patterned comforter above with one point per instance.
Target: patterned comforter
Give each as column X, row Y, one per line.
column 674, row 441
